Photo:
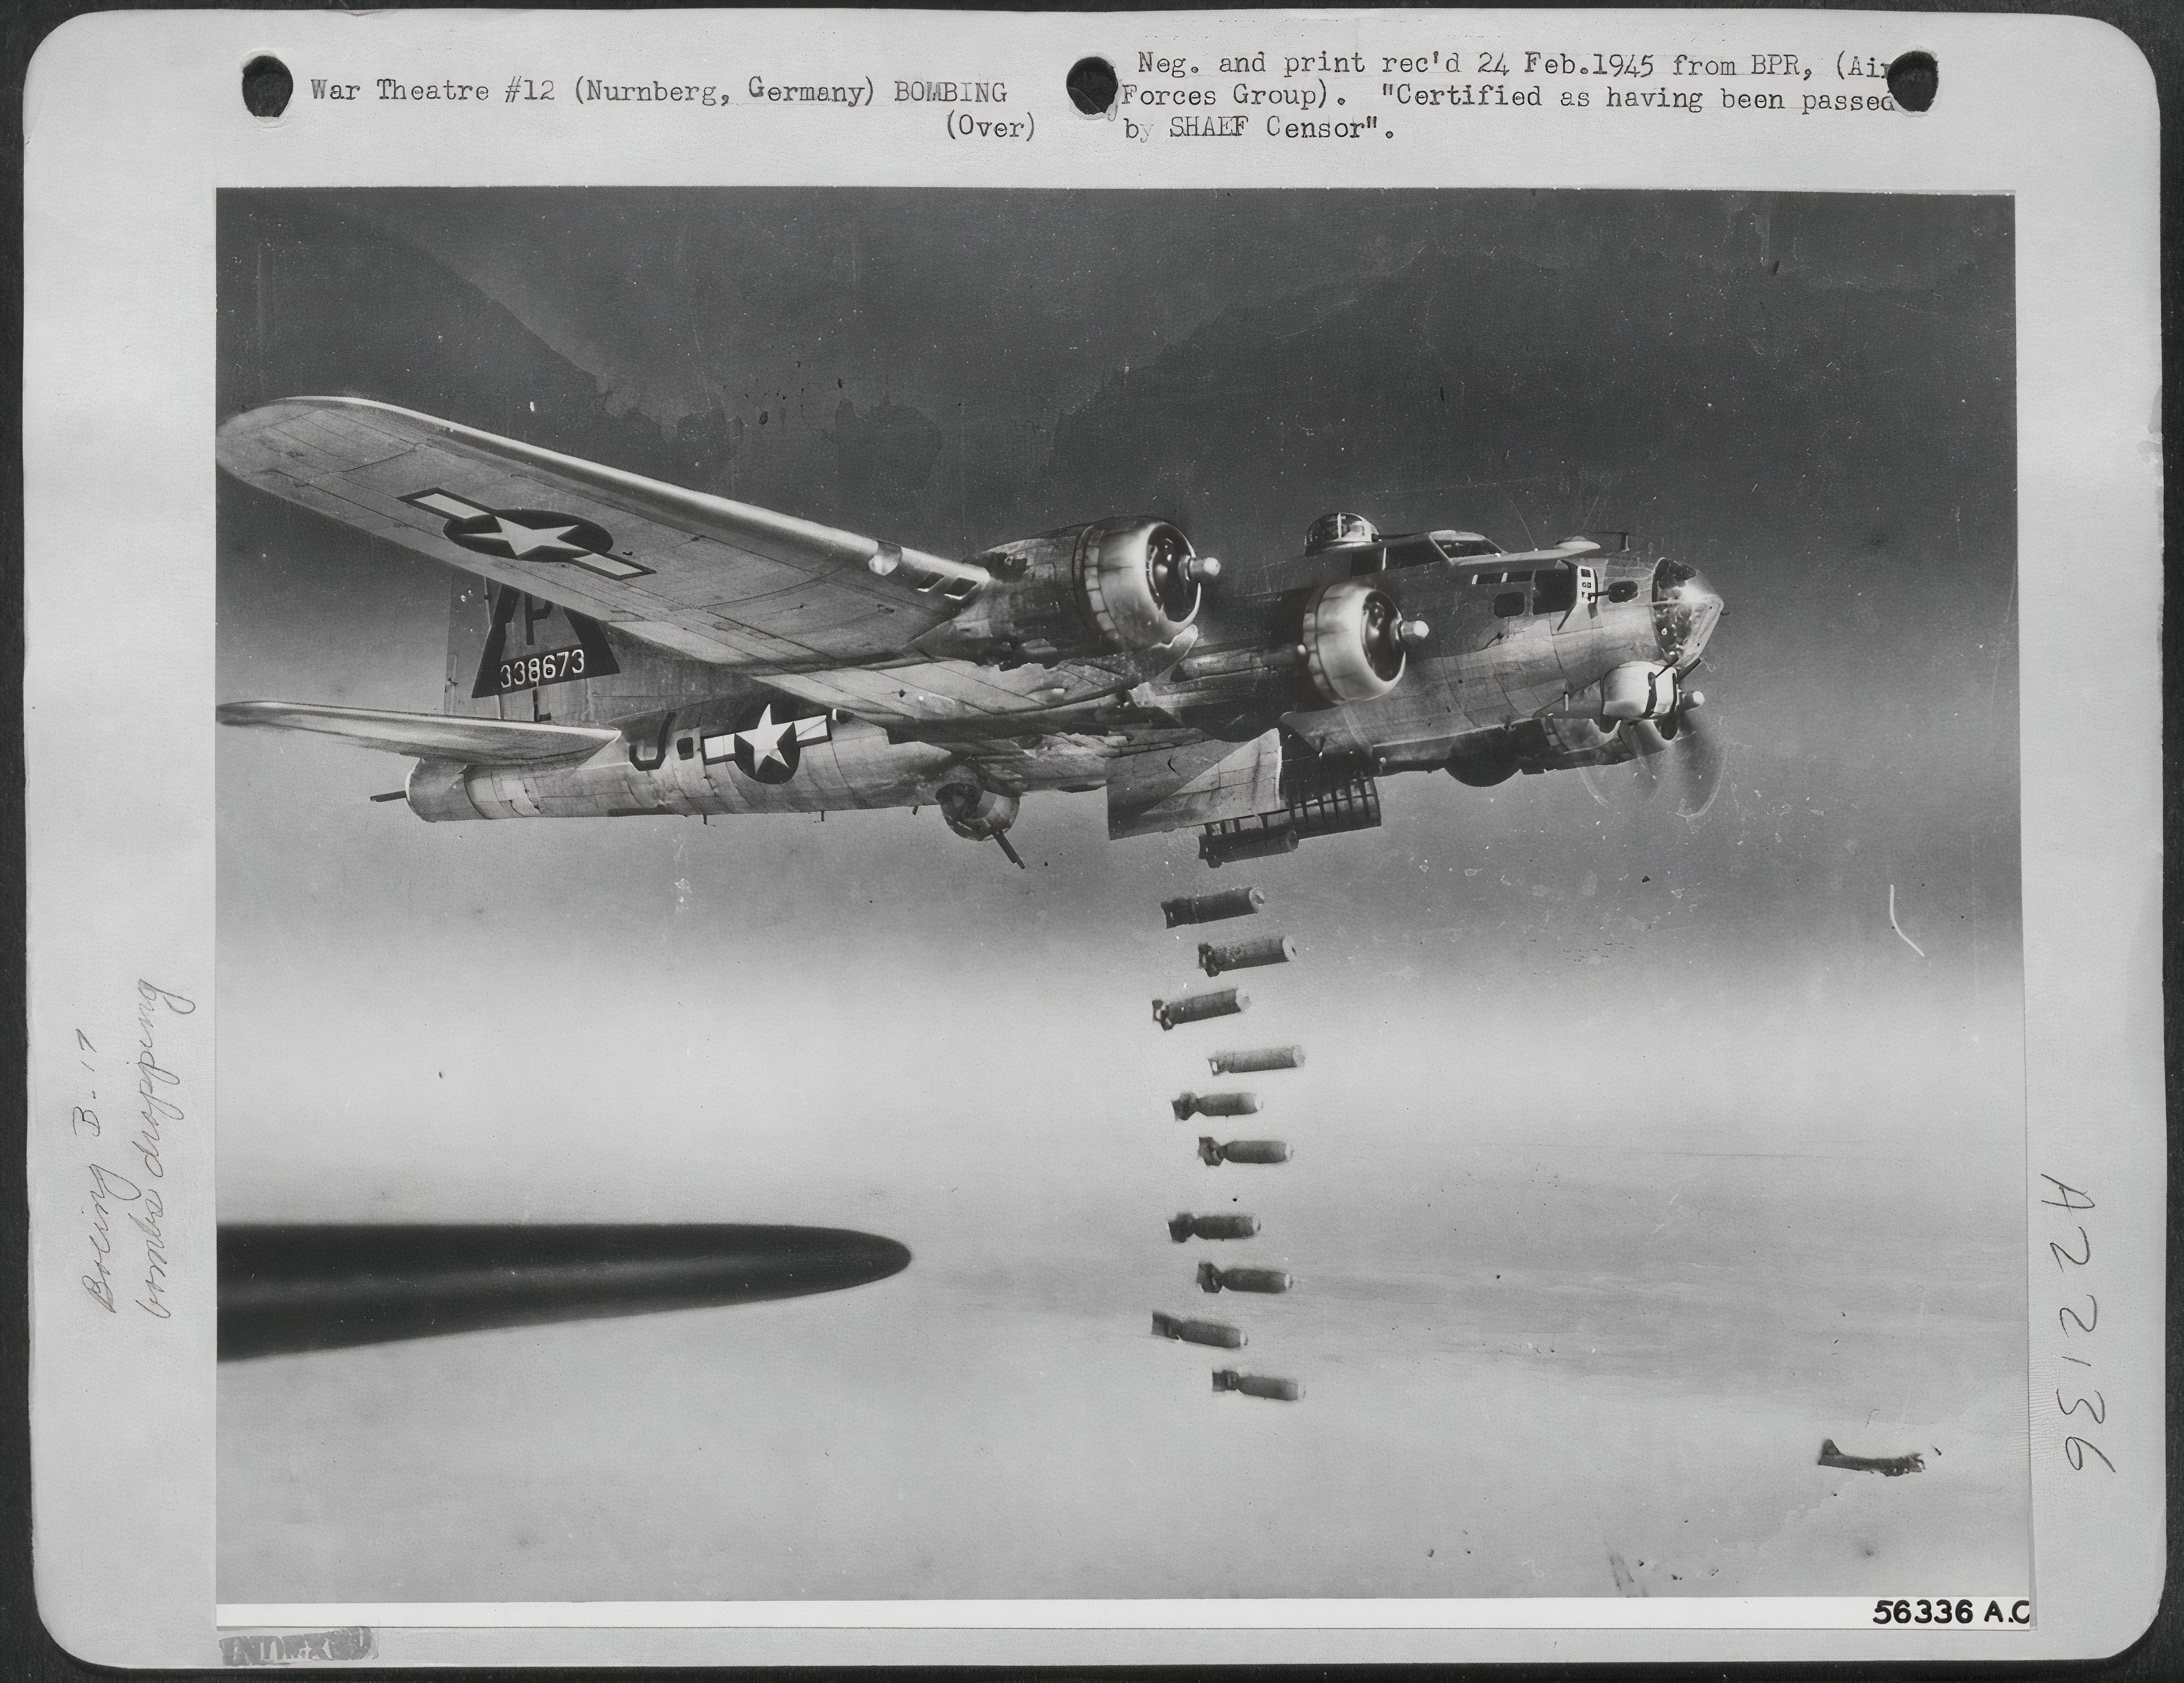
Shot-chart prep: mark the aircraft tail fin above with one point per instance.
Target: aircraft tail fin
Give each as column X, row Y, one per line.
column 1828, row 1447
column 519, row 657
column 424, row 736
column 523, row 659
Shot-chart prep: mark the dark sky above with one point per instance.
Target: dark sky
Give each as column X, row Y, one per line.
column 1682, row 1078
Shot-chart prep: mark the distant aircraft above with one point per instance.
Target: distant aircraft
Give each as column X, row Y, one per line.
column 620, row 647
column 1893, row 1466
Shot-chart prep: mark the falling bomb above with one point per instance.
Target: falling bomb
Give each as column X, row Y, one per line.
column 1215, row 1333
column 1197, row 1008
column 1184, row 1225
column 1213, row 1280
column 1214, row 957
column 1256, row 1384
column 1188, row 1105
column 1214, row 1153
column 1212, row 908
column 1251, row 1062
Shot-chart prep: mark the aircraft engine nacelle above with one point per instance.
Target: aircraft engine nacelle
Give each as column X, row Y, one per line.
column 1640, row 689
column 1129, row 583
column 437, row 792
column 1356, row 640
column 1139, row 581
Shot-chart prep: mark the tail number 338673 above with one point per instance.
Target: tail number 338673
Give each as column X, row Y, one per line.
column 550, row 666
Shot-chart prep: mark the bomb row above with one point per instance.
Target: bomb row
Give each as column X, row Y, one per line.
column 1214, row 958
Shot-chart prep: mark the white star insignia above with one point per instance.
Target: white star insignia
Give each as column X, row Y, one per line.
column 765, row 738
column 522, row 539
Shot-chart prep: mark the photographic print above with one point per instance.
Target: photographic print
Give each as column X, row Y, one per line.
column 982, row 894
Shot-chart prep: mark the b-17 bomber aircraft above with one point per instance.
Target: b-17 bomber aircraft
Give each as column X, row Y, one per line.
column 620, row 647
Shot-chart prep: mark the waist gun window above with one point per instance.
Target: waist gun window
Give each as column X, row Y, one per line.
column 1554, row 591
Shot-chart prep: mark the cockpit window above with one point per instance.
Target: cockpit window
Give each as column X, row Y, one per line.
column 1460, row 545
column 1412, row 552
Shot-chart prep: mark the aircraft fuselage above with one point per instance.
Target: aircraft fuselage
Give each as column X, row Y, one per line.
column 1517, row 647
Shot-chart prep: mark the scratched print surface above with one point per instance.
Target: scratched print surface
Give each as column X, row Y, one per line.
column 1634, row 1156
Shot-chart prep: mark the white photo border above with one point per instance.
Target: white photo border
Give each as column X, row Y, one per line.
column 118, row 370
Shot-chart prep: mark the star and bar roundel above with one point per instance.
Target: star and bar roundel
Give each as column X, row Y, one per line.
column 768, row 744
column 526, row 534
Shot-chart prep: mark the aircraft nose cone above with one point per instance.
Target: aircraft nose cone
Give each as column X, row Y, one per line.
column 1706, row 607
column 1686, row 609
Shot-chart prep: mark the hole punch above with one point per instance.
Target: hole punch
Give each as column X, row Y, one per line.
column 1092, row 86
column 267, row 87
column 1913, row 80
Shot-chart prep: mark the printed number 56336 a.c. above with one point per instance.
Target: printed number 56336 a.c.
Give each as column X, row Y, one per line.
column 1940, row 1611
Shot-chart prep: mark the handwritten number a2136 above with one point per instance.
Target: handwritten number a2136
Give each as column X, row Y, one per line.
column 2096, row 1406
column 2084, row 1325
column 2062, row 1256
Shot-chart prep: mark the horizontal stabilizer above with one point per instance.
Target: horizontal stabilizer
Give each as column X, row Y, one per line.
column 424, row 736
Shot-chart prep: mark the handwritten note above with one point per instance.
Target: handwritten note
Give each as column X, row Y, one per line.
column 2071, row 1249
column 125, row 1212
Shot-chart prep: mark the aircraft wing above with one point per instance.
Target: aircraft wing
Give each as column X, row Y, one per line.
column 286, row 1289
column 424, row 736
column 700, row 576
